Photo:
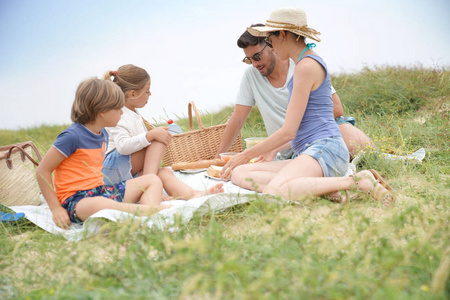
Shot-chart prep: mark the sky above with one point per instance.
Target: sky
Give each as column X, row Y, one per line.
column 47, row 47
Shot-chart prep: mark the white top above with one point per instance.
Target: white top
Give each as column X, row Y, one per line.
column 272, row 102
column 129, row 134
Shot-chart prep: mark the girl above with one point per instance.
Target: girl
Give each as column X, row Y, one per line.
column 76, row 158
column 309, row 125
column 134, row 151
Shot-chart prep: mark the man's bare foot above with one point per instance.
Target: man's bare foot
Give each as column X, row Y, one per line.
column 216, row 189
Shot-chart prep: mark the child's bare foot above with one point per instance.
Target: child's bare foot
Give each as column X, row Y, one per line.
column 216, row 189
column 164, row 206
column 166, row 197
column 148, row 210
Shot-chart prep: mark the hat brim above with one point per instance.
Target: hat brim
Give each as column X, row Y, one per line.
column 264, row 31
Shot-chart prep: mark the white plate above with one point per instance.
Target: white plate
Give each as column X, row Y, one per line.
column 215, row 178
column 192, row 171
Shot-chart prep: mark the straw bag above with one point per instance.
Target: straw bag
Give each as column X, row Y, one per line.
column 18, row 184
column 197, row 144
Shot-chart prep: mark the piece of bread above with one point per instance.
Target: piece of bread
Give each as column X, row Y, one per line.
column 201, row 164
column 214, row 171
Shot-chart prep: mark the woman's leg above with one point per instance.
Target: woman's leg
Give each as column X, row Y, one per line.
column 148, row 160
column 303, row 176
column 178, row 189
column 296, row 177
column 256, row 176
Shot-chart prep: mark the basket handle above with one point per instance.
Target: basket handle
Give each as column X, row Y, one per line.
column 147, row 124
column 23, row 153
column 197, row 116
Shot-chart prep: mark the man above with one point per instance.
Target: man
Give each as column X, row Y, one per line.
column 265, row 85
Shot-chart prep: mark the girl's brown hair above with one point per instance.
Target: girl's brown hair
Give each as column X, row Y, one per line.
column 94, row 96
column 128, row 77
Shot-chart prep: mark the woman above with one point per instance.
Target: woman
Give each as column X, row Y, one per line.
column 321, row 154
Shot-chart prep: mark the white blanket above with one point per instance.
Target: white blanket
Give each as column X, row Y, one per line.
column 163, row 220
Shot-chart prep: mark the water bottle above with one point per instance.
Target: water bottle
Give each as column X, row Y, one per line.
column 174, row 128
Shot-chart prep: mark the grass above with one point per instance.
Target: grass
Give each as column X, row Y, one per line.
column 311, row 249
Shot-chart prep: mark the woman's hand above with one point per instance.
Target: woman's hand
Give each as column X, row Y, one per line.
column 160, row 134
column 61, row 217
column 269, row 156
column 235, row 161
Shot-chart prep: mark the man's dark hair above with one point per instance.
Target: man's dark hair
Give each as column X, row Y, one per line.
column 247, row 39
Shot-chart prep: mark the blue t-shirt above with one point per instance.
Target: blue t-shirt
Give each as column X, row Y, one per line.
column 318, row 120
column 82, row 169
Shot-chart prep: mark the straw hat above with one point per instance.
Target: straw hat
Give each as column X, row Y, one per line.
column 289, row 19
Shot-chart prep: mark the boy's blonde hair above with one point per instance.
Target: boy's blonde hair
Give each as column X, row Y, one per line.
column 128, row 77
column 94, row 96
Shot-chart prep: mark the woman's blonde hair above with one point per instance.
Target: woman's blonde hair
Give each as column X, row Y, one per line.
column 94, row 96
column 128, row 77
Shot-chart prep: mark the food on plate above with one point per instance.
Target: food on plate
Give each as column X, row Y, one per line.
column 214, row 171
column 227, row 156
column 201, row 164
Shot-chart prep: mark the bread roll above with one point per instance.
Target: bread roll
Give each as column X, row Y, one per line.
column 214, row 171
column 201, row 164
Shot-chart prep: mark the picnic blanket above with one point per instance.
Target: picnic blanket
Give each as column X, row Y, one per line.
column 182, row 210
column 165, row 219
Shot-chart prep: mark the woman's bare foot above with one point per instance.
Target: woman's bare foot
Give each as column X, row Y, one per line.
column 338, row 197
column 366, row 183
column 216, row 189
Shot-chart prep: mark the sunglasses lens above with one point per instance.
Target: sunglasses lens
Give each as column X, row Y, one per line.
column 256, row 57
column 247, row 61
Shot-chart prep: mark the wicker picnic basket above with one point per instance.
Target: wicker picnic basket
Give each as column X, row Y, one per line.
column 18, row 185
column 198, row 144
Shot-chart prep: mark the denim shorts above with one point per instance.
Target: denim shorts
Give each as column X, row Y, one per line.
column 116, row 168
column 331, row 153
column 114, row 192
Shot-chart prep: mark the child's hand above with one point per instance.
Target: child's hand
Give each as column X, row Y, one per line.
column 160, row 134
column 61, row 217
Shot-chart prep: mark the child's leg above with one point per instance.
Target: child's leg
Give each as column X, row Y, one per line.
column 153, row 157
column 178, row 189
column 89, row 206
column 145, row 189
column 148, row 160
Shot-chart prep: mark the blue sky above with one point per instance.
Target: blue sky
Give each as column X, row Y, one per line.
column 189, row 47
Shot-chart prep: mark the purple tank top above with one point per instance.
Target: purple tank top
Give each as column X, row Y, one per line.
column 318, row 121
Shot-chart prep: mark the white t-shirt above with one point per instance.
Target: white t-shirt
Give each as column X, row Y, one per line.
column 272, row 102
column 129, row 135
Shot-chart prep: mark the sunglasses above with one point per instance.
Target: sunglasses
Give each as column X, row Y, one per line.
column 255, row 57
column 266, row 40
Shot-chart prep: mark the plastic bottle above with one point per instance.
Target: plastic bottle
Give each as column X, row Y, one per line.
column 173, row 127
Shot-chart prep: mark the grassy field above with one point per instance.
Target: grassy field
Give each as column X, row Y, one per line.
column 312, row 249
